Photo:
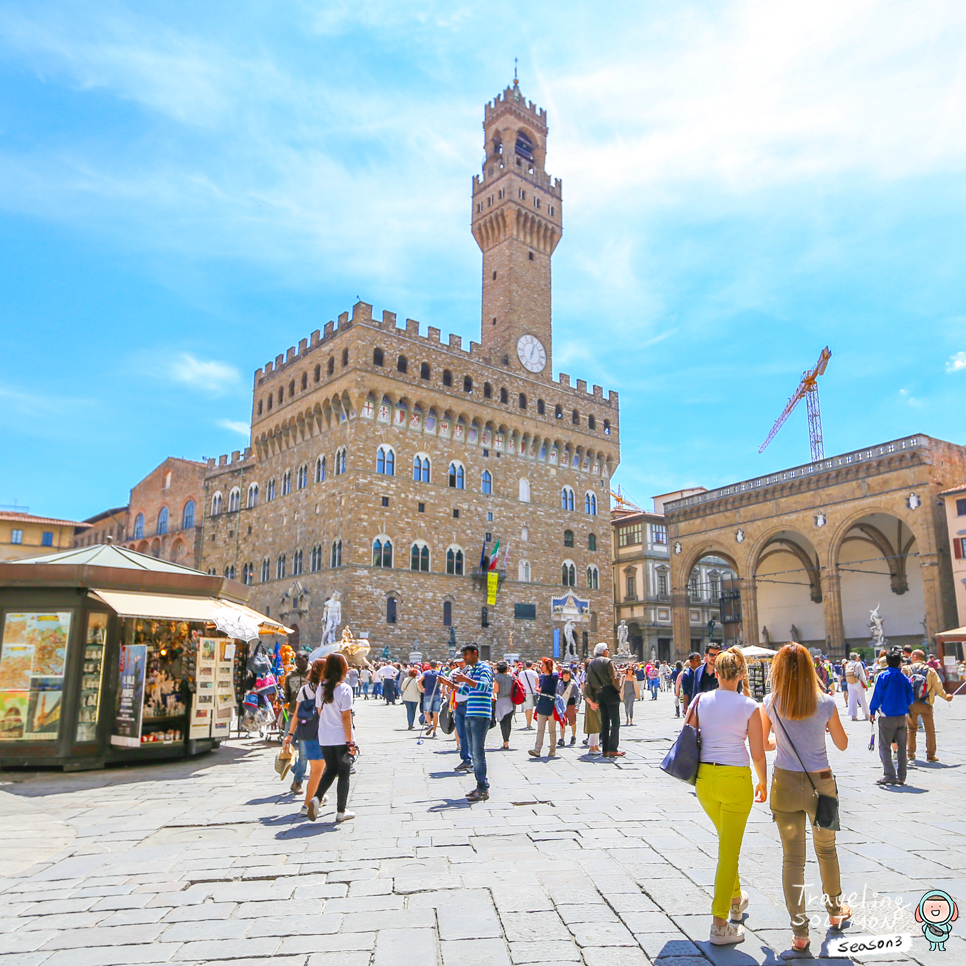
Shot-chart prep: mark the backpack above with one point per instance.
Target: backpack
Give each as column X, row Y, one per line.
column 518, row 693
column 920, row 683
column 308, row 720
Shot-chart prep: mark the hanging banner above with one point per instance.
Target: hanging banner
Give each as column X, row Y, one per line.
column 130, row 695
column 492, row 583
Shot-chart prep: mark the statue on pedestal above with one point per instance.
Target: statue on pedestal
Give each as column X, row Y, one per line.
column 622, row 638
column 571, row 639
column 878, row 633
column 332, row 615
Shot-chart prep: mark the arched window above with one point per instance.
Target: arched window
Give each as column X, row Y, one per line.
column 291, row 388
column 320, row 470
column 316, row 558
column 522, row 401
column 162, row 521
column 271, row 400
column 575, row 418
column 305, row 380
column 234, row 499
column 296, row 563
column 271, row 490
column 592, row 542
column 454, row 561
column 335, row 558
column 504, row 397
column 139, row 526
column 447, row 613
column 541, row 407
column 457, row 476
column 447, row 378
column 188, row 515
column 259, row 407
column 568, row 538
column 382, row 552
column 230, row 572
column 593, row 578
column 558, row 412
column 401, row 364
column 714, row 583
column 421, row 468
column 345, row 358
column 568, row 574
column 567, row 498
column 419, row 557
column 424, row 371
column 252, row 495
column 281, row 396
column 524, row 490
column 523, row 571
column 607, row 427
column 303, row 476
column 286, row 483
column 467, row 384
column 591, row 422
column 486, row 483
column 385, row 461
column 377, row 357
column 590, row 503
column 280, row 566
column 330, row 367
column 390, row 610
column 318, row 373
column 487, row 391
column 266, row 570
column 340, row 454
column 216, row 504
column 248, row 574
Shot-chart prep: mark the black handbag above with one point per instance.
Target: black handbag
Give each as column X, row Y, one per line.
column 684, row 757
column 447, row 723
column 826, row 806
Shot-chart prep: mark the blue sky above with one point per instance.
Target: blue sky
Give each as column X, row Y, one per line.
column 188, row 189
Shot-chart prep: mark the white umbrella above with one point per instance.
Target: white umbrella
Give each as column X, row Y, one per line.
column 753, row 650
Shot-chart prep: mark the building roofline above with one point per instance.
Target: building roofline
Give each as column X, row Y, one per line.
column 30, row 518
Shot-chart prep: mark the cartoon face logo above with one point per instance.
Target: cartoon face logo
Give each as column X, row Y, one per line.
column 937, row 912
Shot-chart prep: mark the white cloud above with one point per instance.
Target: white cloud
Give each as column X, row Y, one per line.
column 208, row 375
column 235, row 426
column 956, row 362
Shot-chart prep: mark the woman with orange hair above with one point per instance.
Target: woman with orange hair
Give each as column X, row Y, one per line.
column 795, row 718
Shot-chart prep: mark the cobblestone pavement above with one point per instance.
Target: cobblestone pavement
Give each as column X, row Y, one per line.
column 570, row 861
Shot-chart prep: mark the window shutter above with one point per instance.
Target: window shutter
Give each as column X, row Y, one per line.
column 958, row 548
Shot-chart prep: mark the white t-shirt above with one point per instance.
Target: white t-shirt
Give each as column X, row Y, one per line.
column 530, row 681
column 331, row 728
column 723, row 720
column 387, row 672
column 365, row 675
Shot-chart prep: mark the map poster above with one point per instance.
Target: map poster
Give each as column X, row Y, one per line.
column 43, row 708
column 16, row 661
column 130, row 696
column 13, row 715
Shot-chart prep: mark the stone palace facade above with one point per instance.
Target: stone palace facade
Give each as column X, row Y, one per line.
column 383, row 456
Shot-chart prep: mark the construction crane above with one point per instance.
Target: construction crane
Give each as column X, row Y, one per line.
column 622, row 502
column 807, row 388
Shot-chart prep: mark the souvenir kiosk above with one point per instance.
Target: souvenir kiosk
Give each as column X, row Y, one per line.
column 759, row 661
column 949, row 650
column 110, row 655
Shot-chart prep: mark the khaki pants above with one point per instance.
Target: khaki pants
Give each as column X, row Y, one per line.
column 916, row 709
column 792, row 802
column 542, row 720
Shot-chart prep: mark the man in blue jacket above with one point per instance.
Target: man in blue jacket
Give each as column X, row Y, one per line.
column 893, row 695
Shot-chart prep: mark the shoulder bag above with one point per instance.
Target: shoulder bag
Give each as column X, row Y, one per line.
column 683, row 759
column 826, row 806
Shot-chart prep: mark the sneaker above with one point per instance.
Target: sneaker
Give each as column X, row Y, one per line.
column 727, row 935
column 478, row 795
column 344, row 816
column 303, row 811
column 313, row 810
column 738, row 906
column 464, row 766
column 585, row 742
column 573, row 741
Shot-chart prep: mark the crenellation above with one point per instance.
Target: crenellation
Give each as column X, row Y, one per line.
column 475, row 350
column 315, row 338
column 235, row 454
column 327, row 330
column 259, row 377
column 455, row 341
column 362, row 312
column 302, row 346
column 564, row 380
column 599, row 393
column 388, row 319
column 432, row 334
column 343, row 319
column 613, row 398
column 290, row 354
column 581, row 385
column 223, row 460
column 279, row 361
column 412, row 328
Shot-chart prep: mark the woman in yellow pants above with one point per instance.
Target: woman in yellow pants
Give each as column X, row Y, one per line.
column 729, row 722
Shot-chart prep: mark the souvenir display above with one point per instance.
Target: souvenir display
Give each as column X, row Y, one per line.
column 91, row 682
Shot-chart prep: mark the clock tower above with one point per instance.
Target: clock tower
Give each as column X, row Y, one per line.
column 517, row 222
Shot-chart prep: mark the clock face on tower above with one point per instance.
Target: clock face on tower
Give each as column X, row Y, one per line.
column 532, row 353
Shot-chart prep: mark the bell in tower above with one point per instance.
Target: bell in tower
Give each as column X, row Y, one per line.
column 517, row 222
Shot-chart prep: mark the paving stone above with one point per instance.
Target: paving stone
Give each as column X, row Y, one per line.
column 534, row 926
column 364, row 904
column 468, row 952
column 658, row 945
column 215, row 949
column 358, row 958
column 652, row 922
column 602, row 934
column 113, row 955
column 622, row 956
column 202, row 910
column 183, row 932
column 281, row 925
column 339, row 941
column 405, row 947
column 100, row 936
column 550, row 951
column 390, row 919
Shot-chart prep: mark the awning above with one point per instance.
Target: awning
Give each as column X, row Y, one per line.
column 956, row 634
column 236, row 620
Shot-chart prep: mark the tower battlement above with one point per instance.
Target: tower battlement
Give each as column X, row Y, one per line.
column 511, row 98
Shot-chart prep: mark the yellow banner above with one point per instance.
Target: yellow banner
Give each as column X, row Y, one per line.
column 492, row 582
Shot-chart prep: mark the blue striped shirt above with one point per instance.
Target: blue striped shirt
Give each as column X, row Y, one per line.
column 480, row 702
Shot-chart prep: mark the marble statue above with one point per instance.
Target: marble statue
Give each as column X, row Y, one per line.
column 795, row 635
column 875, row 622
column 355, row 650
column 571, row 639
column 332, row 615
column 622, row 637
column 765, row 636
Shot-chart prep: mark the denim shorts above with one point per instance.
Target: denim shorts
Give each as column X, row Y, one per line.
column 312, row 749
column 432, row 703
